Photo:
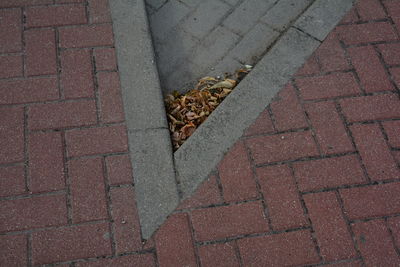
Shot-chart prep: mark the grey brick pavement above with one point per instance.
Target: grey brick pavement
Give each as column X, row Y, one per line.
column 193, row 38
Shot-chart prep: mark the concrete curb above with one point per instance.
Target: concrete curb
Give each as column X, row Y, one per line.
column 159, row 183
column 149, row 142
column 200, row 154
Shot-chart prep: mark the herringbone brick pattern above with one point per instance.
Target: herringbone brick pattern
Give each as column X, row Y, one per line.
column 314, row 181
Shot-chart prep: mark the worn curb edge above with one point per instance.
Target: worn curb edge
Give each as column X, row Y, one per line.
column 157, row 179
column 149, row 141
column 200, row 154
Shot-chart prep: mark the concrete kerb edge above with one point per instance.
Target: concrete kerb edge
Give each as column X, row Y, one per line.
column 149, row 140
column 200, row 154
column 156, row 169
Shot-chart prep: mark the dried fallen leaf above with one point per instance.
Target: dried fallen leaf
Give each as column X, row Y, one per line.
column 187, row 111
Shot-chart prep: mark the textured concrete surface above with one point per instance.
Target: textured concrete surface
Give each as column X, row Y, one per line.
column 196, row 38
column 148, row 134
column 227, row 123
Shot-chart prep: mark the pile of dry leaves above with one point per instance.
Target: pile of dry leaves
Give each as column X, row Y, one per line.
column 187, row 111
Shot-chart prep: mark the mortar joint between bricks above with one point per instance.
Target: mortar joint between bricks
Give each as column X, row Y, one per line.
column 387, row 70
column 309, row 123
column 29, row 249
column 109, row 204
column 223, row 204
column 289, row 131
column 392, row 237
column 67, row 179
column 58, row 64
column 305, row 213
column 349, row 61
column 348, row 223
column 266, row 211
column 193, row 236
column 26, row 152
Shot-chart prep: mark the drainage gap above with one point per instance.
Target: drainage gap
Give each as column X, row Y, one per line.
column 187, row 111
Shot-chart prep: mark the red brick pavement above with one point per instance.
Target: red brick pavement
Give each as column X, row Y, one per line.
column 315, row 181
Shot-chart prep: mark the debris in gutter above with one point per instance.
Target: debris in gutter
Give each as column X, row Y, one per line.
column 187, row 111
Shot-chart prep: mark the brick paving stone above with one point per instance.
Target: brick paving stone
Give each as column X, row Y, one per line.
column 253, row 45
column 110, row 99
column 207, row 194
column 119, row 169
column 376, row 107
column 13, row 250
column 86, row 36
column 46, row 166
column 14, row 66
column 28, row 90
column 33, row 212
column 44, row 16
column 352, row 263
column 12, row 180
column 372, row 75
column 173, row 50
column 331, row 55
column 156, row 4
column 40, row 46
column 222, row 255
column 375, row 243
column 310, row 66
column 374, row 152
column 329, row 128
column 367, row 33
column 246, row 15
column 263, row 124
column 392, row 129
column 167, row 17
column 105, row 59
column 94, row 141
column 76, row 75
column 328, row 173
column 281, row 197
column 350, row 17
column 282, row 147
column 393, row 9
column 287, row 111
column 99, row 11
column 62, row 115
column 394, row 226
column 11, row 134
column 390, row 53
column 68, row 243
column 21, row 3
column 371, row 201
column 228, row 221
column 100, row 187
column 88, row 194
column 236, row 176
column 216, row 44
column 331, row 231
column 287, row 249
column 328, row 86
column 370, row 10
column 176, row 230
column 396, row 75
column 284, row 12
column 396, row 155
column 205, row 17
column 124, row 261
column 10, row 30
column 125, row 220
column 68, row 1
